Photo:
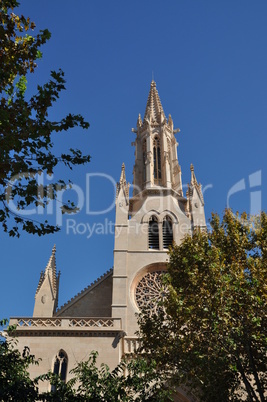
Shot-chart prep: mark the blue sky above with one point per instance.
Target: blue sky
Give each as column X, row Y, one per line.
column 209, row 60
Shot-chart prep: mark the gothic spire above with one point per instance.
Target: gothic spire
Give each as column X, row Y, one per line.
column 193, row 176
column 50, row 273
column 122, row 184
column 194, row 184
column 46, row 296
column 123, row 178
column 154, row 112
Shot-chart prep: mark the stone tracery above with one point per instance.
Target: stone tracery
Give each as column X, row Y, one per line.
column 150, row 291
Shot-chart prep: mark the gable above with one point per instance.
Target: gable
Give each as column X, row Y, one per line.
column 93, row 301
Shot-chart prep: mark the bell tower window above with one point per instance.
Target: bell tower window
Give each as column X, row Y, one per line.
column 167, row 232
column 153, row 234
column 157, row 160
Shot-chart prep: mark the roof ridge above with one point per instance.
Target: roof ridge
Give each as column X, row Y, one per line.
column 83, row 291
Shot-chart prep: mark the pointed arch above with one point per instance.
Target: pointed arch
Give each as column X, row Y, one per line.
column 167, row 232
column 147, row 216
column 168, row 212
column 60, row 366
column 153, row 233
column 157, row 160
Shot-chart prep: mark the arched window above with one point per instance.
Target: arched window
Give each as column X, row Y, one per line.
column 157, row 160
column 167, row 232
column 144, row 160
column 60, row 366
column 153, row 234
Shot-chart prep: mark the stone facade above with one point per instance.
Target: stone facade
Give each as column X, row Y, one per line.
column 103, row 316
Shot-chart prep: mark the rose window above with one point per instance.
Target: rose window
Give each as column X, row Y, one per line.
column 150, row 291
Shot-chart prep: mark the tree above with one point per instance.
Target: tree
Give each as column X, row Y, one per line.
column 210, row 330
column 26, row 143
column 136, row 380
column 15, row 382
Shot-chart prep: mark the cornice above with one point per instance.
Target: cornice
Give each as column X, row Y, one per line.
column 66, row 327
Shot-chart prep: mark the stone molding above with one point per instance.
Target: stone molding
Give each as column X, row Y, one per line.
column 67, row 326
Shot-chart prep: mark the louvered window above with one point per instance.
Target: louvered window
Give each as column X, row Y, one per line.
column 167, row 233
column 153, row 234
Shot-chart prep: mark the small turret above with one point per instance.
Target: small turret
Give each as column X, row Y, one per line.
column 123, row 186
column 46, row 296
column 122, row 211
column 122, row 199
column 195, row 201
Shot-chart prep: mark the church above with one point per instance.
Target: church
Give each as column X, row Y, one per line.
column 102, row 317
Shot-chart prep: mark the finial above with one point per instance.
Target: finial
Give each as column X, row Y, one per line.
column 54, row 249
column 152, row 75
column 139, row 121
column 192, row 167
column 170, row 122
column 122, row 178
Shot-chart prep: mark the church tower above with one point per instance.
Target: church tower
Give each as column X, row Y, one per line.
column 157, row 215
column 102, row 316
column 156, row 162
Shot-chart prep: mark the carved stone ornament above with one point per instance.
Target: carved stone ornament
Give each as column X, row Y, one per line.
column 150, row 290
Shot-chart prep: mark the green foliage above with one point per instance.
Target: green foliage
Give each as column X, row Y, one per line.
column 211, row 334
column 134, row 380
column 26, row 147
column 15, row 382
